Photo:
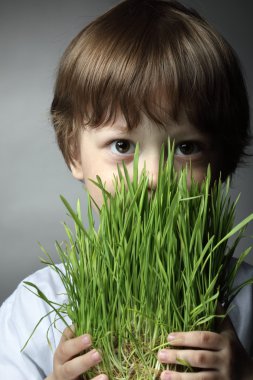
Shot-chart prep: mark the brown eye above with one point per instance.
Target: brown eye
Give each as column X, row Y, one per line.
column 123, row 147
column 187, row 148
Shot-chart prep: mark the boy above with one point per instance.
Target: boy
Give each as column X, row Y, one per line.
column 146, row 71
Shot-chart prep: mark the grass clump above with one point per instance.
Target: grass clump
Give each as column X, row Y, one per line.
column 159, row 262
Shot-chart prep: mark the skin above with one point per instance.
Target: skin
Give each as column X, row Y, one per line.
column 215, row 356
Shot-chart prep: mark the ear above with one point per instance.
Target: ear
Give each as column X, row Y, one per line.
column 76, row 169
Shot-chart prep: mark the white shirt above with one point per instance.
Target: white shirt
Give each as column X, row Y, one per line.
column 20, row 313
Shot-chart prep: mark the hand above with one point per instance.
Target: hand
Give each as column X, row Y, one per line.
column 213, row 356
column 68, row 363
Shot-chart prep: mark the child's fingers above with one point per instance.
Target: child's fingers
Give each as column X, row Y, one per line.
column 170, row 375
column 67, row 334
column 197, row 339
column 68, row 363
column 67, row 349
column 72, row 369
column 194, row 358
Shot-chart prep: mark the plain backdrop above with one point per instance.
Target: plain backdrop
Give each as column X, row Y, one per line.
column 33, row 36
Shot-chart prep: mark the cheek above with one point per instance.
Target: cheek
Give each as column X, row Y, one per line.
column 198, row 170
column 95, row 191
column 198, row 175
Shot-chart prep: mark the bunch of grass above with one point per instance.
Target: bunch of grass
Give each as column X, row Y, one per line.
column 159, row 262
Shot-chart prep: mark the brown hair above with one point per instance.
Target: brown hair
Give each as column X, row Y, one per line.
column 143, row 54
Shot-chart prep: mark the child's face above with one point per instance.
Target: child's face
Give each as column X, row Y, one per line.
column 101, row 149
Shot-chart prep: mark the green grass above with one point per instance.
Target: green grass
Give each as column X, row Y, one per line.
column 159, row 262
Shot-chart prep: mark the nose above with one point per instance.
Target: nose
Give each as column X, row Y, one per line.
column 151, row 165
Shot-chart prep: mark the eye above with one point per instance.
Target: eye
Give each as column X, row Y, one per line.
column 187, row 148
column 122, row 147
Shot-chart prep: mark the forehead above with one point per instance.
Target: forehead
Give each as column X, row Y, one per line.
column 118, row 127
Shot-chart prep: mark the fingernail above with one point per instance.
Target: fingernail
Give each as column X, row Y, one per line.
column 162, row 355
column 96, row 356
column 101, row 377
column 166, row 376
column 86, row 339
column 171, row 337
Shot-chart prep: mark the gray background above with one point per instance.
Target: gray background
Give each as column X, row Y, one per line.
column 33, row 35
